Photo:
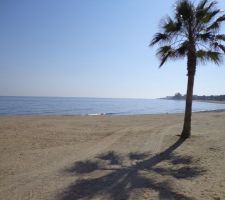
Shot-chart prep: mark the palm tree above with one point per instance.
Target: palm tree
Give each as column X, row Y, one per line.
column 193, row 32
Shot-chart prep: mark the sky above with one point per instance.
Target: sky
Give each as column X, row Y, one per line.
column 91, row 48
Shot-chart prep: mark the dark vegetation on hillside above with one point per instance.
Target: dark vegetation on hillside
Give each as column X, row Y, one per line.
column 179, row 96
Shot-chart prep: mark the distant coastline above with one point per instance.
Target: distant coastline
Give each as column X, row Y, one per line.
column 209, row 99
column 212, row 101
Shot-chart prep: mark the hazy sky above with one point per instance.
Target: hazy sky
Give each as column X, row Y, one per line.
column 91, row 48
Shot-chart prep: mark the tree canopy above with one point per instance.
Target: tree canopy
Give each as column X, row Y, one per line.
column 198, row 24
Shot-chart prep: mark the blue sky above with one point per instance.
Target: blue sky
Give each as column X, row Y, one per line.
column 91, row 48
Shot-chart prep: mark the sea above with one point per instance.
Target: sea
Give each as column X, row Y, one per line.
column 10, row 106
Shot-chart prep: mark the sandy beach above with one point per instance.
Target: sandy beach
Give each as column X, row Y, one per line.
column 112, row 157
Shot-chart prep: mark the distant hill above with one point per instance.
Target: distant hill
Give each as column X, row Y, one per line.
column 179, row 96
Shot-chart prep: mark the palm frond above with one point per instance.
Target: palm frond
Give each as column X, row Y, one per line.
column 200, row 10
column 216, row 24
column 222, row 47
column 159, row 37
column 211, row 5
column 221, row 18
column 209, row 16
column 185, row 10
column 220, row 37
column 204, row 36
column 205, row 12
column 164, row 53
column 213, row 56
column 182, row 50
column 170, row 26
column 217, row 47
column 201, row 4
column 167, row 52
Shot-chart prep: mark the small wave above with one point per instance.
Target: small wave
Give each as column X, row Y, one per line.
column 100, row 114
column 96, row 114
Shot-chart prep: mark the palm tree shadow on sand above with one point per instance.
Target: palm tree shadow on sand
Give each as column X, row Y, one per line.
column 120, row 180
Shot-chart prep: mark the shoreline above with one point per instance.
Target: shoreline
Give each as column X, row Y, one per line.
column 110, row 115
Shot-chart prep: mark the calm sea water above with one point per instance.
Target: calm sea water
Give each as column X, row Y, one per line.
column 95, row 106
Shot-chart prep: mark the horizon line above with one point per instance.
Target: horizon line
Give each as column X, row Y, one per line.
column 79, row 97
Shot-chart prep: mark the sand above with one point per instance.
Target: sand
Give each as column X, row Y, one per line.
column 112, row 157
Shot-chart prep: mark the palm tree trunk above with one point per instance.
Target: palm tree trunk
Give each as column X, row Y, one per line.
column 191, row 67
column 188, row 109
